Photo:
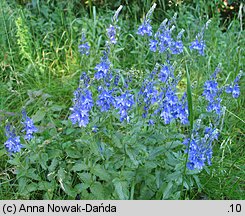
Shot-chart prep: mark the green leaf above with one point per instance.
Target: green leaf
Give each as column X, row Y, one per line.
column 31, row 173
column 2, row 152
column 116, row 140
column 31, row 187
column 174, row 144
column 167, row 191
column 120, row 188
column 44, row 185
column 85, row 177
column 70, row 131
column 43, row 160
column 69, row 190
column 22, row 182
column 157, row 151
column 97, row 190
column 79, row 187
column 79, row 166
column 101, row 173
column 189, row 99
column 57, row 107
column 39, row 116
column 132, row 157
column 73, row 152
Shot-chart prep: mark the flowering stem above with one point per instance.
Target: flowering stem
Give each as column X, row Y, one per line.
column 190, row 109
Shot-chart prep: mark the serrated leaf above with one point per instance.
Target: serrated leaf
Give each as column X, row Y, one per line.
column 70, row 131
column 53, row 165
column 120, row 188
column 101, row 173
column 43, row 160
column 97, row 190
column 79, row 166
column 31, row 173
column 69, row 190
column 116, row 141
column 31, row 187
column 78, row 188
column 167, row 191
column 157, row 151
column 39, row 116
column 174, row 176
column 132, row 157
column 44, row 185
column 73, row 153
column 85, row 177
column 174, row 144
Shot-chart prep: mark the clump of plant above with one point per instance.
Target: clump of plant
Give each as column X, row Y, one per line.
column 127, row 138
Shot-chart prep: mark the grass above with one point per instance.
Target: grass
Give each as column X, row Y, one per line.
column 41, row 65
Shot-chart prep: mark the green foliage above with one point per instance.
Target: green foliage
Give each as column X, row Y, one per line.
column 40, row 66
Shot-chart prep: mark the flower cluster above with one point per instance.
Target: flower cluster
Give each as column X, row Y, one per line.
column 165, row 73
column 177, row 46
column 12, row 144
column 163, row 40
column 158, row 96
column 84, row 47
column 212, row 93
column 103, row 67
column 105, row 99
column 173, row 108
column 200, row 147
column 145, row 28
column 124, row 102
column 111, row 33
column 199, row 44
column 83, row 103
column 29, row 126
column 234, row 88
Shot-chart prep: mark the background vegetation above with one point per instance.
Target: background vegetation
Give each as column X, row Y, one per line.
column 40, row 67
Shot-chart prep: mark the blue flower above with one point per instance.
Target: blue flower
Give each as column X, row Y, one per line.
column 116, row 80
column 124, row 102
column 164, row 73
column 29, row 126
column 236, row 91
column 165, row 40
column 102, row 69
column 95, row 129
column 153, row 45
column 111, row 33
column 210, row 90
column 198, row 45
column 83, row 103
column 105, row 100
column 151, row 122
column 177, row 47
column 182, row 110
column 145, row 28
column 12, row 144
column 212, row 93
column 169, row 106
column 84, row 47
column 234, row 88
column 200, row 147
